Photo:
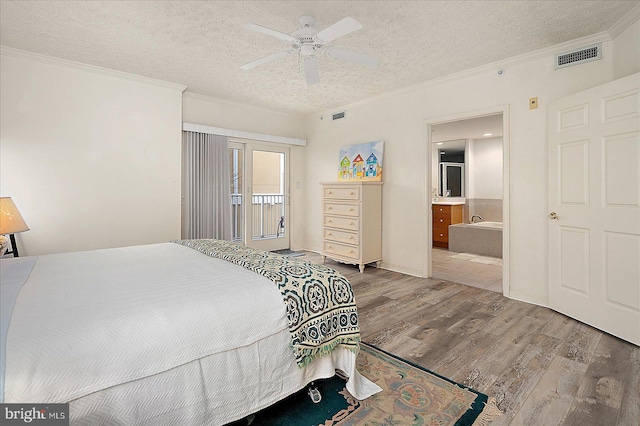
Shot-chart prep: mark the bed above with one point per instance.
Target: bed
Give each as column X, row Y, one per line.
column 193, row 332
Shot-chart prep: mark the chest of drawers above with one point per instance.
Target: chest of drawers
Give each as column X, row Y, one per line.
column 443, row 216
column 352, row 222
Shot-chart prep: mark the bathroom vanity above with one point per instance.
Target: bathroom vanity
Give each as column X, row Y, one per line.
column 445, row 213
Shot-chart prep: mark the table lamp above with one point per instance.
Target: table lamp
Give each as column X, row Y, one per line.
column 11, row 222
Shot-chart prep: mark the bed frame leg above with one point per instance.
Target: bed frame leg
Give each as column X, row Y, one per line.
column 314, row 393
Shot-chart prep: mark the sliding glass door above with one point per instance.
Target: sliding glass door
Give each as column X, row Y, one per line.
column 236, row 168
column 259, row 195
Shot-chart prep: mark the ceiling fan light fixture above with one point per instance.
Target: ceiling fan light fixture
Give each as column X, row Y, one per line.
column 307, row 40
column 307, row 50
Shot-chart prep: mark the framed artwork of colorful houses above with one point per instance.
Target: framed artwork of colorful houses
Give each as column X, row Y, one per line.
column 361, row 162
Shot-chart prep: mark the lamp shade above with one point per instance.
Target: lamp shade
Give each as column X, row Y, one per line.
column 11, row 221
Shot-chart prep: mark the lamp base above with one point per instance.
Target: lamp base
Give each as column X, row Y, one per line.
column 14, row 246
column 4, row 242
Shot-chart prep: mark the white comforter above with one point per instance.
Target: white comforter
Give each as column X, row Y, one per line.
column 89, row 321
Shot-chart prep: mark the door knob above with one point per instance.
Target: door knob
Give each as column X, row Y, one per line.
column 553, row 216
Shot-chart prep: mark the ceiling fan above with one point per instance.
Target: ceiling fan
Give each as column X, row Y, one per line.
column 308, row 41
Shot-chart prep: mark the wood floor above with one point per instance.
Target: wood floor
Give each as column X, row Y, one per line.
column 542, row 367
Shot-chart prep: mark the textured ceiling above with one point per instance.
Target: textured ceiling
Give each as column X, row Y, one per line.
column 202, row 44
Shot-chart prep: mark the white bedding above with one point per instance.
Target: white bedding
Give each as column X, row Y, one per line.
column 213, row 390
column 154, row 335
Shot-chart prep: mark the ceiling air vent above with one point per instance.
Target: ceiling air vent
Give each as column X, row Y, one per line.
column 338, row 115
column 575, row 57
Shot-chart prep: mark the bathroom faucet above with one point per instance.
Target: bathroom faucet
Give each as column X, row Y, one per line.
column 476, row 216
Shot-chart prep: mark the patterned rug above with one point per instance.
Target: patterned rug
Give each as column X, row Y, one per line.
column 411, row 395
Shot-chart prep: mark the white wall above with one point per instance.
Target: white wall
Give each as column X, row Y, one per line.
column 485, row 158
column 399, row 119
column 90, row 157
column 626, row 59
column 93, row 159
column 214, row 112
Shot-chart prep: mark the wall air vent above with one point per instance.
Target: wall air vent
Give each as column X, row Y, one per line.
column 338, row 115
column 575, row 57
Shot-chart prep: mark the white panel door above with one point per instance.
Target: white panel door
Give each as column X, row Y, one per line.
column 594, row 207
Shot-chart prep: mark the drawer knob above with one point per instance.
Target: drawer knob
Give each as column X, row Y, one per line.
column 350, row 251
column 442, row 235
column 351, row 237
column 351, row 224
column 352, row 193
column 329, row 221
column 441, row 210
column 329, row 208
column 330, row 193
column 330, row 234
column 441, row 220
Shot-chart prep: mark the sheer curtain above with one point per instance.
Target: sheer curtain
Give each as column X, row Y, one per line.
column 206, row 204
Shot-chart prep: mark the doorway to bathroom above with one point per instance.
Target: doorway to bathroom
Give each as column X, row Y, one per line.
column 467, row 200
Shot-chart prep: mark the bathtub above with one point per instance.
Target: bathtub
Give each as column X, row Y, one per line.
column 487, row 224
column 483, row 238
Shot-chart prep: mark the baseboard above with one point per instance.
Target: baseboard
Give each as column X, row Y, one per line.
column 528, row 298
column 401, row 269
column 386, row 266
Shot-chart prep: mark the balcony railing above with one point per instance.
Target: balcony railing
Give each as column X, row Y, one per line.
column 267, row 212
column 236, row 217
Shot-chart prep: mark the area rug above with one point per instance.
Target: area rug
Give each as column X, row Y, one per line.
column 411, row 396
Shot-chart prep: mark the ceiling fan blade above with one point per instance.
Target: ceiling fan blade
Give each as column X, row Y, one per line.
column 311, row 70
column 340, row 28
column 350, row 56
column 269, row 31
column 266, row 59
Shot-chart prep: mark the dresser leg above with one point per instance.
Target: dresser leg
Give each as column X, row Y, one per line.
column 323, row 258
column 361, row 266
column 378, row 264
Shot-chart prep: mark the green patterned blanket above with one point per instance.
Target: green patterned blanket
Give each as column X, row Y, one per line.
column 320, row 305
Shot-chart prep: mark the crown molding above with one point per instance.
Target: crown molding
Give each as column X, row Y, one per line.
column 222, row 101
column 625, row 22
column 37, row 57
column 547, row 52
